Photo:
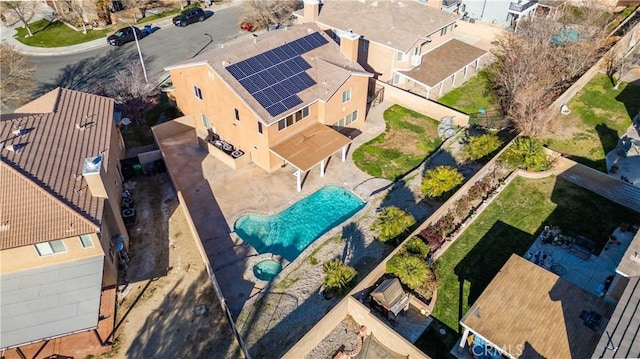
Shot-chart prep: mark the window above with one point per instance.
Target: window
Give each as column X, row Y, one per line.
column 347, row 120
column 237, row 114
column 197, row 92
column 206, row 121
column 365, row 46
column 443, row 31
column 346, row 95
column 86, row 241
column 293, row 118
column 416, row 51
column 259, row 127
column 400, row 56
column 335, row 36
column 211, row 76
column 49, row 248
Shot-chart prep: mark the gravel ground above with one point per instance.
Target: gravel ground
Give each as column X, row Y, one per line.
column 345, row 333
column 273, row 322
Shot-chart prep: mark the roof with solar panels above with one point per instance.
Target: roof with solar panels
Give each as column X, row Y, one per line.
column 282, row 71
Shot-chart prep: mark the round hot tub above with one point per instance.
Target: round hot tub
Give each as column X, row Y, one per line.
column 267, row 269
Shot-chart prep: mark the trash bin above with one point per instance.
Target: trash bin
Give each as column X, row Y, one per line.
column 137, row 169
column 147, row 29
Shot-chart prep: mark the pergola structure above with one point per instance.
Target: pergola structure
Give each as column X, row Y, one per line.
column 310, row 147
column 443, row 64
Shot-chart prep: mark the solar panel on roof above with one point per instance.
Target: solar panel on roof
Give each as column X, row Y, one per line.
column 275, row 77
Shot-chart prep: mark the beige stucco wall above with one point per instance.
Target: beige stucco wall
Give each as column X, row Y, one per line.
column 422, row 105
column 26, row 257
column 219, row 101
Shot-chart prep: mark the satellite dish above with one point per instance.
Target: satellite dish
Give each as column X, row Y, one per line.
column 126, row 121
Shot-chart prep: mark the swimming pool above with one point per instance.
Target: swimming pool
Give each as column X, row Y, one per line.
column 267, row 269
column 289, row 232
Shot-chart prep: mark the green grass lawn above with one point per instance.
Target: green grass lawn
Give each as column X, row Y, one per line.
column 471, row 96
column 599, row 116
column 409, row 138
column 508, row 226
column 56, row 34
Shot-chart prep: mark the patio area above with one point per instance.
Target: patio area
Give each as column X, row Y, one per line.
column 574, row 263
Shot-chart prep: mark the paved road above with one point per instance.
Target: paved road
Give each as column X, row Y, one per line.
column 164, row 47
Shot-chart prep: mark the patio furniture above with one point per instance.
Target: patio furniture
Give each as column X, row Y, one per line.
column 582, row 247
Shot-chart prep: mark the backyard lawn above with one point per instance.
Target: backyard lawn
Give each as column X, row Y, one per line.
column 56, row 34
column 599, row 116
column 472, row 95
column 409, row 138
column 509, row 225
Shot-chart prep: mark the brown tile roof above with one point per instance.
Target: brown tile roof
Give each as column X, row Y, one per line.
column 329, row 67
column 397, row 24
column 526, row 307
column 308, row 147
column 43, row 198
column 443, row 61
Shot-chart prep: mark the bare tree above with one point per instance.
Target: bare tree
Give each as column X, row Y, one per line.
column 264, row 13
column 534, row 65
column 622, row 57
column 22, row 11
column 16, row 77
column 132, row 92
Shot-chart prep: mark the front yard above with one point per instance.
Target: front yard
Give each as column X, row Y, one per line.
column 509, row 225
column 56, row 34
column 409, row 138
column 599, row 115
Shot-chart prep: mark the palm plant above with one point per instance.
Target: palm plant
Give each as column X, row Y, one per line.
column 481, row 146
column 528, row 154
column 416, row 247
column 392, row 222
column 440, row 180
column 338, row 276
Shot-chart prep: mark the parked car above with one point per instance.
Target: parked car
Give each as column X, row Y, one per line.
column 124, row 35
column 189, row 16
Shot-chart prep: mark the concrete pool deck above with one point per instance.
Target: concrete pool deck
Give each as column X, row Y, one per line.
column 215, row 196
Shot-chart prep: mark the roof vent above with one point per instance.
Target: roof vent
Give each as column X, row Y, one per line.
column 21, row 132
column 4, row 226
column 92, row 165
column 477, row 312
column 84, row 126
column 16, row 147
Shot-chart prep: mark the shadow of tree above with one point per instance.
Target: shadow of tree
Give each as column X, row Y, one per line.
column 354, row 240
column 630, row 97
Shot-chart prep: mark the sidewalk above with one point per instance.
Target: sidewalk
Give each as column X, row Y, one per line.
column 7, row 35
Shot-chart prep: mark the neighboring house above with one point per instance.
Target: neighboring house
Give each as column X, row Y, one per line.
column 408, row 44
column 60, row 226
column 621, row 338
column 280, row 98
column 529, row 312
column 507, row 13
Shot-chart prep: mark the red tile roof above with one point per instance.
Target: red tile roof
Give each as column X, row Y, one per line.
column 43, row 195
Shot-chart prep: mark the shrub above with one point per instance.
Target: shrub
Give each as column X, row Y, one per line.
column 446, row 224
column 416, row 247
column 441, row 180
column 482, row 146
column 528, row 154
column 392, row 222
column 478, row 190
column 432, row 237
column 462, row 207
column 413, row 272
column 338, row 276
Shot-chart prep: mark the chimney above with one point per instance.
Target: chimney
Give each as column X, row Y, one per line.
column 311, row 11
column 349, row 43
column 95, row 175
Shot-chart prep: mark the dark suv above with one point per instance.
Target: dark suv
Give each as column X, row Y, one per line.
column 124, row 35
column 189, row 16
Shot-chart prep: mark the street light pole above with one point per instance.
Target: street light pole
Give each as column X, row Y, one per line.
column 135, row 37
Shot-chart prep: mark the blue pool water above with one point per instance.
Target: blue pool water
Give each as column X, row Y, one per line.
column 267, row 269
column 289, row 232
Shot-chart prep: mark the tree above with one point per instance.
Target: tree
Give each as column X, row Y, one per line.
column 441, row 180
column 22, row 11
column 130, row 90
column 264, row 13
column 622, row 57
column 392, row 222
column 481, row 146
column 534, row 65
column 16, row 78
column 416, row 247
column 338, row 276
column 413, row 272
column 526, row 153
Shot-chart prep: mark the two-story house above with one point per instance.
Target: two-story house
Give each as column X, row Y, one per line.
column 61, row 232
column 280, row 98
column 408, row 44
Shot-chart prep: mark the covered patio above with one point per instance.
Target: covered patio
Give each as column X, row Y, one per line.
column 444, row 67
column 310, row 147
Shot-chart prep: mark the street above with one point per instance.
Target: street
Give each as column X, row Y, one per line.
column 83, row 71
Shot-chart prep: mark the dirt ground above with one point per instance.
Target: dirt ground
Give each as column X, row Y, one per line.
column 167, row 280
